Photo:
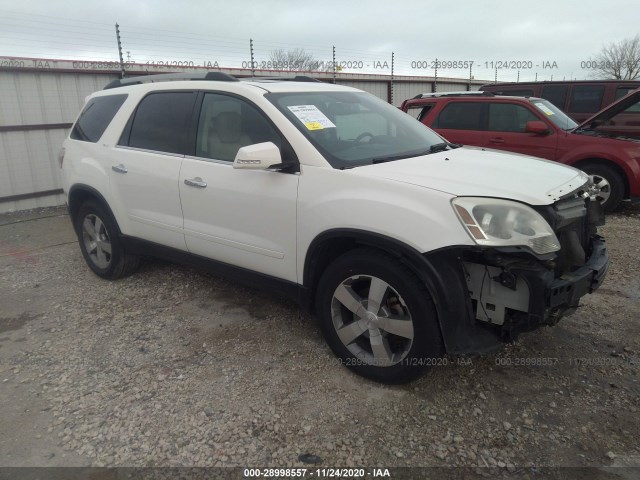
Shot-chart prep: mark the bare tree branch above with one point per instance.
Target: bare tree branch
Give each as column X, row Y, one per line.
column 619, row 61
column 293, row 60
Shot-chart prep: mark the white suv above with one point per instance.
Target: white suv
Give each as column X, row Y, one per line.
column 405, row 246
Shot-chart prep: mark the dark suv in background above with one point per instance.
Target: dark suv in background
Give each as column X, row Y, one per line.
column 604, row 146
column 579, row 99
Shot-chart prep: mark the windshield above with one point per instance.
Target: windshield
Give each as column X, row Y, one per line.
column 553, row 113
column 351, row 129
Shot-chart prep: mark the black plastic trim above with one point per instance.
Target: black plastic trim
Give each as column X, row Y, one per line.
column 94, row 193
column 163, row 77
column 277, row 286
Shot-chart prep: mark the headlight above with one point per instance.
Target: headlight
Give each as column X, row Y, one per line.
column 501, row 223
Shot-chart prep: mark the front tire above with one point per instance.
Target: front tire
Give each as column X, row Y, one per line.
column 378, row 317
column 100, row 243
column 610, row 184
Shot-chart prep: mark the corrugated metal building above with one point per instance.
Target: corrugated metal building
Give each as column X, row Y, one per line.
column 40, row 99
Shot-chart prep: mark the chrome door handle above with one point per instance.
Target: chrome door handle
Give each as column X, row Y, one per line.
column 119, row 168
column 195, row 182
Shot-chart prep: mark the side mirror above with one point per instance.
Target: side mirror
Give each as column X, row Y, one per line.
column 537, row 127
column 259, row 156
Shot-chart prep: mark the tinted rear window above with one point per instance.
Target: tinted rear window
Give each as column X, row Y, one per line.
column 586, row 98
column 461, row 116
column 161, row 121
column 556, row 94
column 95, row 117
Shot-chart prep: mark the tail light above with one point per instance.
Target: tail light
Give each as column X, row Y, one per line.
column 61, row 157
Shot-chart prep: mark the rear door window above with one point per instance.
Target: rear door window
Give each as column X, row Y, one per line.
column 461, row 116
column 160, row 122
column 586, row 98
column 556, row 94
column 96, row 116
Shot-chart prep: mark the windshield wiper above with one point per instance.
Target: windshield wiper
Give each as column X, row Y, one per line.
column 391, row 158
column 440, row 147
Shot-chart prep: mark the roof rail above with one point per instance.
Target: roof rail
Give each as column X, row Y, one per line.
column 167, row 77
column 297, row 78
column 474, row 93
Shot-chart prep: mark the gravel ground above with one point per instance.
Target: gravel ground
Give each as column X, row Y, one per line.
column 175, row 367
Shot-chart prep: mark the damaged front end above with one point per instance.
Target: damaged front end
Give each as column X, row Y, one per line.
column 512, row 289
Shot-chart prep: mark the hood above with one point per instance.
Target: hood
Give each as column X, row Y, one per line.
column 480, row 172
column 610, row 111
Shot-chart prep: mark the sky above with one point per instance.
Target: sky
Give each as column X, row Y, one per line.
column 508, row 40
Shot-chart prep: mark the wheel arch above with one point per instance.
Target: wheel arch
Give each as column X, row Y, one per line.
column 579, row 164
column 79, row 194
column 438, row 270
column 332, row 243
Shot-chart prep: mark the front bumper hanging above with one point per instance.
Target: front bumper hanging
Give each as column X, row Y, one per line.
column 519, row 296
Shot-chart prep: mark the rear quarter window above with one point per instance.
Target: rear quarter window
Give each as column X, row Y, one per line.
column 96, row 116
column 419, row 111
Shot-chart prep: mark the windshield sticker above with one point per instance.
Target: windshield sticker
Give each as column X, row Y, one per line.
column 311, row 117
column 544, row 108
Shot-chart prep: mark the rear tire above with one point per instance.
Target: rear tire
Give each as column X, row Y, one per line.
column 378, row 317
column 100, row 242
column 610, row 183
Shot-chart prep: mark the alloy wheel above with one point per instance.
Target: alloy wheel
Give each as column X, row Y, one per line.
column 372, row 320
column 96, row 241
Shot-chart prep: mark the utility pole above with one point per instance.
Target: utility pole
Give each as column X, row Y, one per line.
column 120, row 51
column 470, row 76
column 391, row 85
column 334, row 64
column 495, row 77
column 435, row 78
column 518, row 80
column 253, row 64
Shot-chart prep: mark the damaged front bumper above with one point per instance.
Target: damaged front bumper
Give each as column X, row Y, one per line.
column 517, row 295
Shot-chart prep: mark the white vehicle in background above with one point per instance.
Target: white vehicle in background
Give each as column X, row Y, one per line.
column 404, row 246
